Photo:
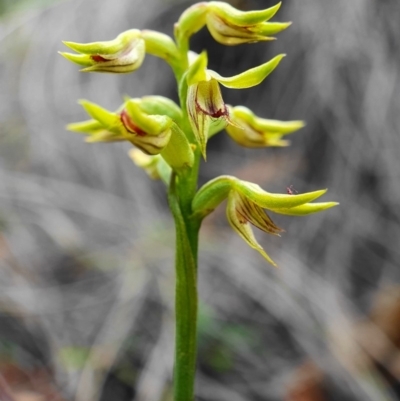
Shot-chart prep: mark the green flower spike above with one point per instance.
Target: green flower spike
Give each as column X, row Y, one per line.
column 204, row 103
column 256, row 132
column 122, row 55
column 230, row 26
column 153, row 134
column 246, row 202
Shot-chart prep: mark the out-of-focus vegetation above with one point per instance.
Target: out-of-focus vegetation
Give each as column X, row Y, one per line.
column 86, row 283
column 10, row 6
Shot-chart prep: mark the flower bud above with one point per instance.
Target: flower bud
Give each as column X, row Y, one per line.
column 123, row 54
column 254, row 132
column 230, row 26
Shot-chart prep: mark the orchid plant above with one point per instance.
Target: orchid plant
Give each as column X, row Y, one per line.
column 169, row 141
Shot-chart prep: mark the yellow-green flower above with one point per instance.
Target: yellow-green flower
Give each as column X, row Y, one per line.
column 230, row 26
column 241, row 212
column 227, row 25
column 205, row 104
column 251, row 131
column 122, row 55
column 153, row 134
column 246, row 204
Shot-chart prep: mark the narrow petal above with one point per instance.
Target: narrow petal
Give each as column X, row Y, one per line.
column 198, row 70
column 249, row 78
column 242, row 18
column 307, row 208
column 243, row 228
column 149, row 144
column 231, row 35
column 199, row 121
column 105, row 136
column 106, row 118
column 254, row 214
column 270, row 28
column 275, row 202
column 264, row 124
column 80, row 59
column 149, row 124
column 110, row 47
column 278, row 127
column 85, row 126
column 246, row 136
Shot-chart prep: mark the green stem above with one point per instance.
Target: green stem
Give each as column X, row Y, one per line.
column 180, row 196
column 185, row 298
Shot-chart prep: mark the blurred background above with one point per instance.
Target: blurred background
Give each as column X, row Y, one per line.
column 86, row 251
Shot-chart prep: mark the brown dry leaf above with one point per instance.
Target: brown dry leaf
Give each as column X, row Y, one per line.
column 28, row 396
column 29, row 385
column 385, row 313
column 306, row 384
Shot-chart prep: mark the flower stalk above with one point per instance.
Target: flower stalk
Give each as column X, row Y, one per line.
column 186, row 299
column 169, row 142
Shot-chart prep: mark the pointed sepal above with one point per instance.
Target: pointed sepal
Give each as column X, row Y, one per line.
column 230, row 26
column 241, row 224
column 307, row 208
column 198, row 69
column 107, row 119
column 255, row 132
column 205, row 107
column 242, row 18
column 272, row 201
column 249, row 78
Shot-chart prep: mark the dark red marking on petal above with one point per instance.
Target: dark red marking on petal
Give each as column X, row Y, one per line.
column 98, row 59
column 130, row 127
column 220, row 113
column 210, row 107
